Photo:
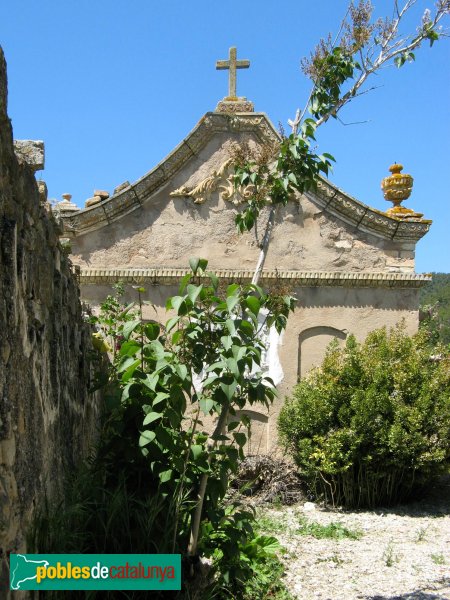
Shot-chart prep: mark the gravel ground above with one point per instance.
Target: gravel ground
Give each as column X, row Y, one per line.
column 403, row 553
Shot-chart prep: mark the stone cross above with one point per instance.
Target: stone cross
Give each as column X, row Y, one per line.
column 232, row 64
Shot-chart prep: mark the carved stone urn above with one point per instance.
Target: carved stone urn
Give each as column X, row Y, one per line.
column 396, row 188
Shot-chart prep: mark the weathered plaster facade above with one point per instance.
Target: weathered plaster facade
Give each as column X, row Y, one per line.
column 350, row 266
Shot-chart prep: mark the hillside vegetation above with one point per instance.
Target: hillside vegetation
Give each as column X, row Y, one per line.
column 435, row 305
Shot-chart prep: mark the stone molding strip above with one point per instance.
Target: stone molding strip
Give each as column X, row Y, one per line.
column 301, row 278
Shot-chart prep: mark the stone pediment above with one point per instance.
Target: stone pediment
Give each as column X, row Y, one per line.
column 138, row 193
column 328, row 197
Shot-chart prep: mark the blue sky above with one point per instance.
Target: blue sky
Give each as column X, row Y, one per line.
column 112, row 87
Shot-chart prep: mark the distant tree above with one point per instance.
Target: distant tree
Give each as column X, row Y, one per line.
column 435, row 308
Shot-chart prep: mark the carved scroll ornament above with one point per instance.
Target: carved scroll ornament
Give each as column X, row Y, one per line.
column 222, row 180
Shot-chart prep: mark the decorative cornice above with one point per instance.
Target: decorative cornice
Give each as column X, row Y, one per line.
column 141, row 191
column 327, row 196
column 167, row 276
column 363, row 217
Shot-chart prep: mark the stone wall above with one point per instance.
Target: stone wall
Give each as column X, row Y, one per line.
column 47, row 416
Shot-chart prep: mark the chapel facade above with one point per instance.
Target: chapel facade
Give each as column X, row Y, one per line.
column 351, row 267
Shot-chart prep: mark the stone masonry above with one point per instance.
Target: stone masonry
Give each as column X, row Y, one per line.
column 47, row 416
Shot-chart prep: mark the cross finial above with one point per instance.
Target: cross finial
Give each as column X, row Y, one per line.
column 232, row 64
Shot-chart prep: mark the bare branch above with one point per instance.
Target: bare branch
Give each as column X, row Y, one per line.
column 374, row 87
column 345, row 99
column 296, row 122
column 390, row 49
column 363, row 61
column 401, row 45
column 353, row 122
column 391, row 46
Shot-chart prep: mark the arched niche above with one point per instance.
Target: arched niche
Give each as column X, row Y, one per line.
column 259, row 438
column 312, row 344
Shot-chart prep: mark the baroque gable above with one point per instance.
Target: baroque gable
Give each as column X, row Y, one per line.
column 350, row 266
column 186, row 205
column 255, row 126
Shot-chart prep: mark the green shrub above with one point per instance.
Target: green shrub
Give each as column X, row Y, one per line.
column 371, row 426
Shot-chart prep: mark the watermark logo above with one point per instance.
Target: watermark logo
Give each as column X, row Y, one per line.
column 95, row 571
